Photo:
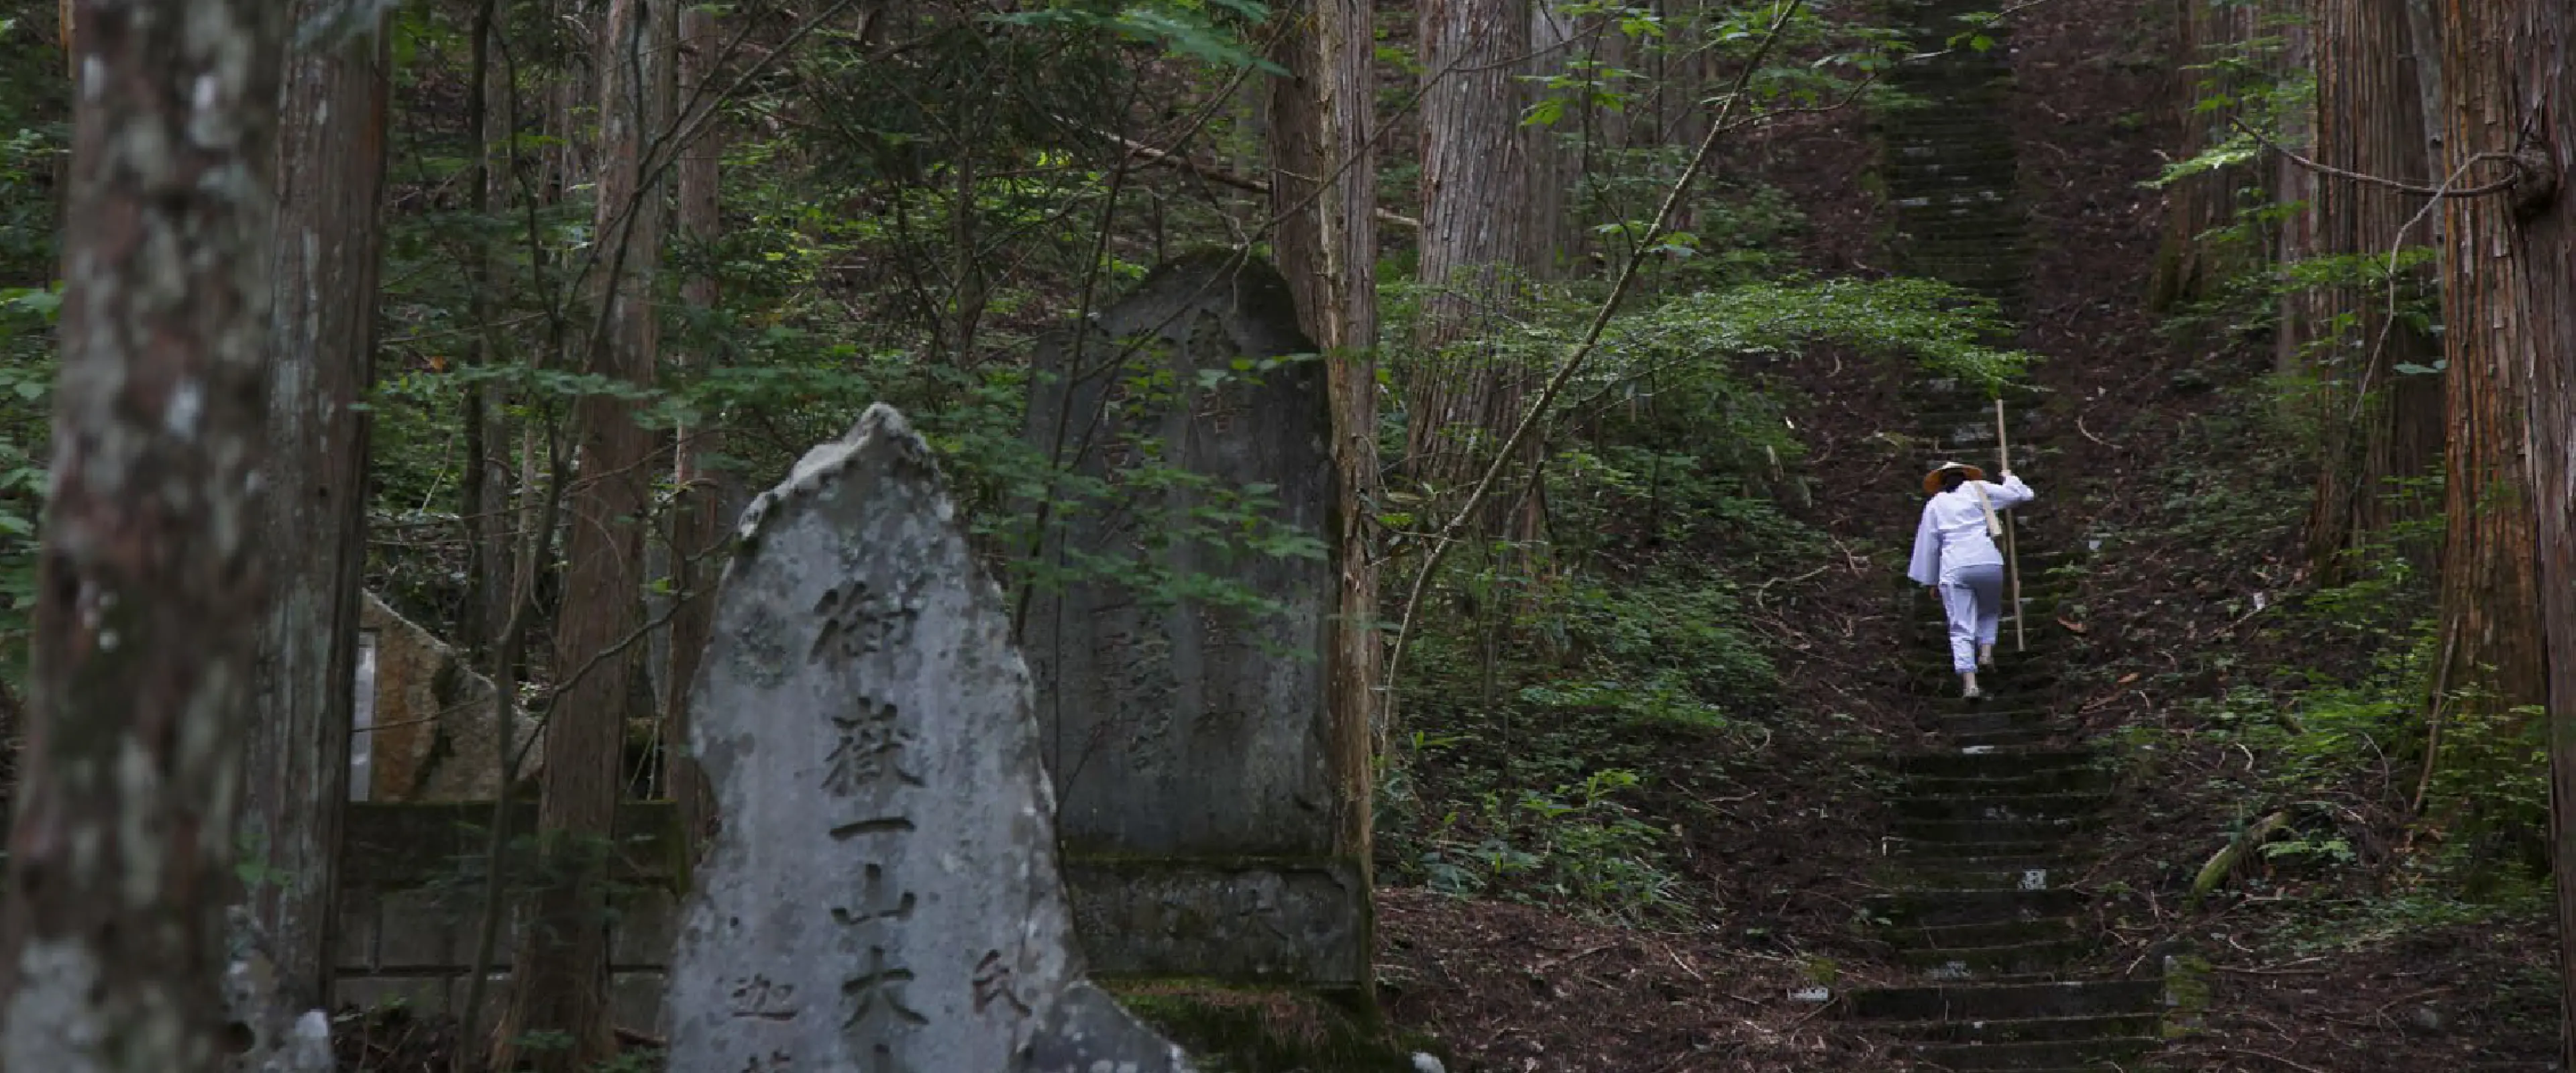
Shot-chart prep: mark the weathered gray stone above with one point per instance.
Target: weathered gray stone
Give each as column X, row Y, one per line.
column 431, row 738
column 883, row 894
column 1236, row 921
column 1179, row 731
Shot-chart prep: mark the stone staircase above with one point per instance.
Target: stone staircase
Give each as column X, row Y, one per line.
column 1952, row 177
column 1992, row 826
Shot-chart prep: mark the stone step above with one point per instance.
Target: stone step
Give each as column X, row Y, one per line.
column 2030, row 666
column 1906, row 181
column 1961, row 226
column 2034, row 1030
column 1962, row 730
column 2091, row 777
column 1941, row 697
column 2004, row 691
column 1950, row 213
column 2038, row 958
column 2014, row 807
column 1941, row 830
column 2047, row 1054
column 1972, row 722
column 1939, row 908
column 2072, row 998
column 1976, row 869
column 1928, row 852
column 1980, row 936
column 1952, row 239
column 1952, row 765
column 1907, row 166
column 1948, row 137
column 2035, row 872
column 1917, row 174
column 2004, row 739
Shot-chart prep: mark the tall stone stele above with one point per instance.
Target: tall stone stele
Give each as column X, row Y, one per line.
column 1209, row 830
column 883, row 894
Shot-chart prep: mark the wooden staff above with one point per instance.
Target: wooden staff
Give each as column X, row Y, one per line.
column 2012, row 562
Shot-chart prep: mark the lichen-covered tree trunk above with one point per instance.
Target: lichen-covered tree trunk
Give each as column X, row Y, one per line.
column 560, row 973
column 2490, row 595
column 2379, row 422
column 1321, row 120
column 295, row 763
column 2514, row 91
column 1553, row 149
column 1461, row 399
column 121, row 845
column 697, row 524
column 2191, row 264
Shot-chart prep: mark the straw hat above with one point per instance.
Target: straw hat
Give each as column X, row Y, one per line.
column 1932, row 480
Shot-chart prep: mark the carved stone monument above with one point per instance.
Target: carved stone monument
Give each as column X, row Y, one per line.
column 1208, row 829
column 883, row 895
column 428, row 733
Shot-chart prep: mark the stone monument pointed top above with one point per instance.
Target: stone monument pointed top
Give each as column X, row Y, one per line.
column 884, row 894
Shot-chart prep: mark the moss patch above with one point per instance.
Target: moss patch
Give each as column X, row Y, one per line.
column 1270, row 1030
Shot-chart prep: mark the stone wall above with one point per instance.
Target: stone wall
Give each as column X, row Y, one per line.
column 411, row 897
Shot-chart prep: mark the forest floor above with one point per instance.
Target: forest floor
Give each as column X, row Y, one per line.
column 2156, row 454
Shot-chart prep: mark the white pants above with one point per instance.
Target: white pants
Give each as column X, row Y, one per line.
column 1973, row 597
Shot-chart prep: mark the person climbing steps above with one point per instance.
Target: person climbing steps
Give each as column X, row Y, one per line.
column 1956, row 557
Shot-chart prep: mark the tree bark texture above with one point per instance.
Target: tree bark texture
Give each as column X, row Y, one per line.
column 1461, row 399
column 1554, row 151
column 2512, row 89
column 1321, row 117
column 2303, row 315
column 295, row 763
column 560, row 973
column 2378, row 423
column 121, row 845
column 1294, row 118
column 697, row 522
column 2491, row 615
column 2191, row 266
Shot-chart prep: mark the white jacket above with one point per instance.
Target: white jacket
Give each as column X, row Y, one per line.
column 1953, row 532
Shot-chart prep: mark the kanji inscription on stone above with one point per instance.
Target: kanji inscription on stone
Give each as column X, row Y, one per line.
column 868, row 749
column 883, row 895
